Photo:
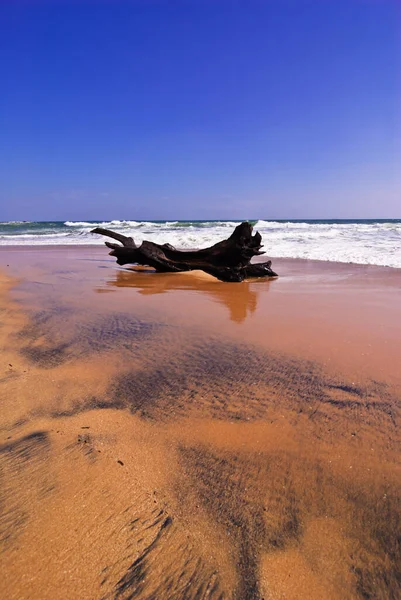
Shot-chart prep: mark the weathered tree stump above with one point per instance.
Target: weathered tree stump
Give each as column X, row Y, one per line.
column 229, row 260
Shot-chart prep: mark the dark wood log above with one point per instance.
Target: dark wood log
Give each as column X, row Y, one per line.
column 229, row 260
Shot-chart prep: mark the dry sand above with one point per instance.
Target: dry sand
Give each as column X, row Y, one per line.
column 174, row 437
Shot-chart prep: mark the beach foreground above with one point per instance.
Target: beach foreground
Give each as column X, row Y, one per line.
column 171, row 436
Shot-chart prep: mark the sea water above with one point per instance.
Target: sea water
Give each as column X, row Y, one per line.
column 374, row 242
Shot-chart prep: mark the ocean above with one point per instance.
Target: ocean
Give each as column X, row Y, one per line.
column 371, row 242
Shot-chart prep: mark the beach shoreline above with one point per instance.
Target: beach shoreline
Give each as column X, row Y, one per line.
column 270, row 256
column 358, row 241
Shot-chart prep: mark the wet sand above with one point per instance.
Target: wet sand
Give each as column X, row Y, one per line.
column 172, row 436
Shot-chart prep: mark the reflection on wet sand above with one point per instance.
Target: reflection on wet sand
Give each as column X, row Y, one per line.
column 241, row 300
column 144, row 460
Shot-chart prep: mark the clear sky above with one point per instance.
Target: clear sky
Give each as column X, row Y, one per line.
column 199, row 109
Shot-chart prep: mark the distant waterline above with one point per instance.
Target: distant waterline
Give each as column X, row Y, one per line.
column 375, row 242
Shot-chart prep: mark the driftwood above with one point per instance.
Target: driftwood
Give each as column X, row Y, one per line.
column 229, row 260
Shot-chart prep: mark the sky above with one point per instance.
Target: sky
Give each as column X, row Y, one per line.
column 202, row 109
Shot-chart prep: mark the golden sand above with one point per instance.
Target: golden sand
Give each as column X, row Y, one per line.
column 175, row 437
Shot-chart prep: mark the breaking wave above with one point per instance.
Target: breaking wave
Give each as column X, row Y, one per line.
column 360, row 241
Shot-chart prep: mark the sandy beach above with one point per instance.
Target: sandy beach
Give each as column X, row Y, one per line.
column 170, row 436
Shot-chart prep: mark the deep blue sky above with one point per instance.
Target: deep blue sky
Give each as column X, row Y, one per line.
column 208, row 109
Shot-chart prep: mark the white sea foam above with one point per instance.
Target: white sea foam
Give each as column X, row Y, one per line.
column 374, row 242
